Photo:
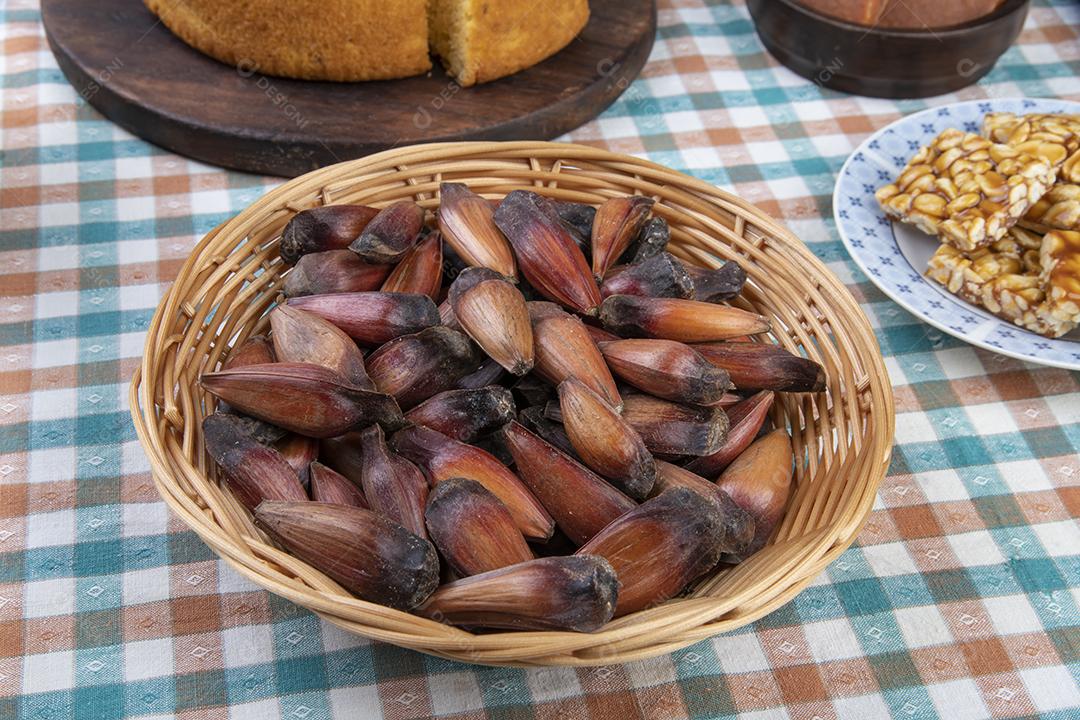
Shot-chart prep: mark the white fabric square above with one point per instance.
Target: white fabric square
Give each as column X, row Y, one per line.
column 53, row 404
column 1024, row 476
column 1051, row 688
column 59, row 257
column 914, row 427
column 43, row 598
column 889, row 559
column 50, row 528
column 56, row 304
column 55, row 353
column 455, row 692
column 135, row 166
column 959, row 362
column 1061, row 539
column 832, row 640
column 46, row 672
column 990, row 418
column 1012, row 614
column 143, row 586
column 144, row 659
column 240, row 644
column 1065, row 408
column 942, row 486
column 132, row 456
column 333, row 637
column 147, row 518
column 922, row 626
column 864, row 707
column 52, row 465
column 134, row 207
column 958, row 700
column 137, row 251
column 740, row 653
column 345, row 701
column 552, row 683
column 975, row 548
column 231, row 581
column 269, row 708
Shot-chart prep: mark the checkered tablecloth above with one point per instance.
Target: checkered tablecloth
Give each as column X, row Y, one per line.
column 959, row 600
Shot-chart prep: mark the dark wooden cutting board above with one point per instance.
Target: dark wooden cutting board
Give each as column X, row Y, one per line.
column 138, row 74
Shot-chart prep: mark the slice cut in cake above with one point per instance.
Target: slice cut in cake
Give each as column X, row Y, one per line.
column 481, row 40
column 341, row 40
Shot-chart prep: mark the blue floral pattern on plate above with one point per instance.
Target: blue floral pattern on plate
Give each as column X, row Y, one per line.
column 872, row 240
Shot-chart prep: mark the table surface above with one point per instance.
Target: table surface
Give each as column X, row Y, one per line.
column 958, row 601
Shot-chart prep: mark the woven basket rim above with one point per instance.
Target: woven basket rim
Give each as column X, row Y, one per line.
column 863, row 412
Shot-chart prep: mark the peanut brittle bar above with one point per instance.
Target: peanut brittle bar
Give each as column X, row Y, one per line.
column 966, row 189
column 1053, row 136
column 1030, row 280
column 1058, row 209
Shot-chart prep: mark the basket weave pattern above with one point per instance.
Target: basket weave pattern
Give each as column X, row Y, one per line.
column 842, row 438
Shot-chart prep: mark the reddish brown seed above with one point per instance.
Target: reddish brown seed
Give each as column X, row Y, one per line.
column 390, row 234
column 373, row 318
column 256, row 350
column 254, row 472
column 533, row 420
column 745, row 420
column 304, row 398
column 493, row 313
column 738, row 524
column 617, row 223
column 563, row 349
column 472, row 528
column 667, row 369
column 392, row 485
column 659, row 547
column 441, row 458
column 658, row 276
column 580, row 502
column 324, row 228
column 342, row 454
column 446, row 315
column 420, row 271
column 301, row 337
column 370, row 555
column 600, row 335
column 300, row 452
column 489, row 373
column 465, row 415
column 604, row 441
column 759, row 481
column 765, row 366
column 412, row 368
column 578, row 217
column 547, row 255
column 673, row 429
column 716, row 285
column 330, row 486
column 333, row 271
column 673, row 319
column 556, row 593
column 466, row 222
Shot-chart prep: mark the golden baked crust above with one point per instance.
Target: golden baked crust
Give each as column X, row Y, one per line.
column 482, row 40
column 343, row 40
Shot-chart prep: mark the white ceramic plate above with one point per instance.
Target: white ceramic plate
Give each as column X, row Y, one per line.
column 894, row 255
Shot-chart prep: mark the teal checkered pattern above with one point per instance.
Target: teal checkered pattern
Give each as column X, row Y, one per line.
column 959, row 600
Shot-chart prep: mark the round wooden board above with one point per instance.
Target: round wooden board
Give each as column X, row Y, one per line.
column 138, row 74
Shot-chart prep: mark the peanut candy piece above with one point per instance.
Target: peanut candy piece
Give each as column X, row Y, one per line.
column 1030, row 280
column 966, row 189
column 1058, row 209
column 1055, row 137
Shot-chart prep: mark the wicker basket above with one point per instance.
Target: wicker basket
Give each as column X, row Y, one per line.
column 842, row 438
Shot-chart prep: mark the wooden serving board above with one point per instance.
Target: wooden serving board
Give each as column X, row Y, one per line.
column 138, row 74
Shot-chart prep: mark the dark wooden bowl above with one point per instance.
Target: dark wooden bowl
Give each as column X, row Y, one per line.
column 885, row 62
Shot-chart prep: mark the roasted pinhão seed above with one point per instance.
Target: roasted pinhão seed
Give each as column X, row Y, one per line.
column 390, row 234
column 493, row 313
column 253, row 471
column 412, row 368
column 472, row 528
column 764, row 366
column 465, row 415
column 373, row 318
column 658, row 276
column 333, row 271
column 316, row 230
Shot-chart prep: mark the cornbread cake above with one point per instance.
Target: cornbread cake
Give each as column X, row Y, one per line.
column 1054, row 136
column 1028, row 279
column 966, row 189
column 482, row 40
column 306, row 39
column 349, row 40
